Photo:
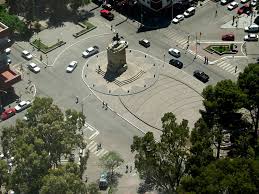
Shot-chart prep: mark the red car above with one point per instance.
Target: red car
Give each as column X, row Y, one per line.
column 228, row 37
column 8, row 113
column 107, row 14
column 244, row 9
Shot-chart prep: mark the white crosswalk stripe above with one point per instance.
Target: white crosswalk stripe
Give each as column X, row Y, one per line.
column 229, row 68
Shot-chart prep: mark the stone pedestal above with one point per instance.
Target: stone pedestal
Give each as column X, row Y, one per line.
column 116, row 56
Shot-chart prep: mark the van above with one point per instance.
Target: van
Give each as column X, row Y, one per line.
column 252, row 28
column 189, row 12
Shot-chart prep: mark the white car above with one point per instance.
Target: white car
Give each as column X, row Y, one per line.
column 232, row 5
column 7, row 51
column 253, row 3
column 124, row 42
column 178, row 18
column 22, row 106
column 174, row 52
column 251, row 37
column 27, row 55
column 33, row 67
column 9, row 61
column 71, row 67
column 252, row 28
column 244, row 1
column 90, row 51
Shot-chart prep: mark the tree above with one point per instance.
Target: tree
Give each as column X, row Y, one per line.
column 237, row 175
column 63, row 180
column 248, row 81
column 93, row 188
column 110, row 161
column 162, row 163
column 221, row 104
column 4, row 176
column 38, row 144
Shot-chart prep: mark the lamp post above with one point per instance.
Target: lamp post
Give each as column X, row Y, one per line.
column 82, row 102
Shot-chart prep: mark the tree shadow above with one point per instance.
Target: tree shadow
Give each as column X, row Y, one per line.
column 114, row 179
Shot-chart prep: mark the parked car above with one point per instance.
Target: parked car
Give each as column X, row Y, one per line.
column 8, row 113
column 107, row 14
column 251, row 37
column 189, row 12
column 7, row 51
column 27, row 55
column 33, row 67
column 225, row 2
column 22, row 106
column 232, row 5
column 228, row 37
column 176, row 63
column 174, row 52
column 144, row 42
column 200, row 75
column 91, row 51
column 244, row 9
column 178, row 18
column 107, row 6
column 71, row 67
column 252, row 28
column 244, row 1
column 9, row 61
column 253, row 3
column 256, row 21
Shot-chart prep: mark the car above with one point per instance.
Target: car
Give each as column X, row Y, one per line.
column 174, row 52
column 9, row 61
column 107, row 6
column 200, row 75
column 107, row 14
column 144, row 42
column 244, row 9
column 189, row 12
column 176, row 63
column 71, row 67
column 33, row 67
column 8, row 113
column 124, row 42
column 256, row 21
column 22, row 106
column 27, row 55
column 90, row 51
column 103, row 181
column 232, row 5
column 7, row 51
column 251, row 37
column 252, row 28
column 253, row 3
column 178, row 18
column 244, row 1
column 225, row 2
column 228, row 37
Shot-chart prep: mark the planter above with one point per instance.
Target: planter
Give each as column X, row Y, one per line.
column 221, row 49
column 87, row 28
column 44, row 48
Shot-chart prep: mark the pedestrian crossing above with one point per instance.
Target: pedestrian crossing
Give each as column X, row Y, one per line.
column 176, row 37
column 92, row 147
column 229, row 68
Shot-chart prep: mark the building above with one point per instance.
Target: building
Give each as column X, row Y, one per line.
column 8, row 77
column 160, row 5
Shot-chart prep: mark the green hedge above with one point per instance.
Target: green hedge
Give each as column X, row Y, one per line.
column 44, row 48
column 87, row 28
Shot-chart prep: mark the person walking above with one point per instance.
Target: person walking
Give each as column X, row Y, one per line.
column 205, row 59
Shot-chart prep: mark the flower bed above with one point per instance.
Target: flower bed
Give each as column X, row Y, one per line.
column 221, row 49
column 44, row 48
column 87, row 28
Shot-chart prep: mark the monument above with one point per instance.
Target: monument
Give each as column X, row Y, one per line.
column 116, row 56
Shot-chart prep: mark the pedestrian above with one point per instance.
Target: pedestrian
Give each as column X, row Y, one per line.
column 106, row 106
column 216, row 13
column 205, row 59
column 236, row 23
column 103, row 104
column 77, row 99
column 127, row 167
column 130, row 168
column 40, row 57
column 235, row 69
column 111, row 27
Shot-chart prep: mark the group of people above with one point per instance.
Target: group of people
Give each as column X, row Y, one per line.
column 206, row 61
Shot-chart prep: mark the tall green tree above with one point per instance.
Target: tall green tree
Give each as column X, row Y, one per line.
column 248, row 81
column 162, row 162
column 38, row 144
column 4, row 176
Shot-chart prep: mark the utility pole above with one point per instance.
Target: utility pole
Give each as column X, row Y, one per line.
column 196, row 45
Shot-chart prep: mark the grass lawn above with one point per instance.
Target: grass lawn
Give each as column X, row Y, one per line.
column 222, row 48
column 87, row 24
column 41, row 46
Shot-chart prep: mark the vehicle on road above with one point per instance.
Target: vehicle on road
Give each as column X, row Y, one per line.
column 232, row 5
column 200, row 75
column 178, row 18
column 8, row 113
column 251, row 37
column 71, row 67
column 90, row 51
column 103, row 181
column 22, row 106
column 33, row 67
column 107, row 14
column 228, row 37
column 107, row 6
column 252, row 28
column 244, row 9
column 7, row 51
column 256, row 21
column 27, row 55
column 124, row 42
column 176, row 63
column 144, row 42
column 174, row 52
column 225, row 2
column 253, row 3
column 189, row 12
column 244, row 1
